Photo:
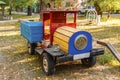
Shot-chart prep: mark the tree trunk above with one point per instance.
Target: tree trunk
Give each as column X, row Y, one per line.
column 109, row 14
column 52, row 2
column 10, row 10
column 3, row 10
column 97, row 8
column 42, row 7
column 29, row 13
column 21, row 9
column 99, row 12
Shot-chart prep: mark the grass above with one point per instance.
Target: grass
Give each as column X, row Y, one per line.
column 105, row 33
column 109, row 32
column 104, row 18
column 16, row 24
column 22, row 66
column 18, row 16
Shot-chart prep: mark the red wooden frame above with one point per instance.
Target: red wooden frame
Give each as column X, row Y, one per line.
column 55, row 19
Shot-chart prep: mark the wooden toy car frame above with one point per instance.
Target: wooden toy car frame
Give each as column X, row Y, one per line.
column 56, row 19
column 51, row 21
column 51, row 54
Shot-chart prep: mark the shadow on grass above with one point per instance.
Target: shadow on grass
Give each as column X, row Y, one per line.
column 10, row 30
column 29, row 65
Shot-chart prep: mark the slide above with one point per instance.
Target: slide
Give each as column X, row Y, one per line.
column 111, row 48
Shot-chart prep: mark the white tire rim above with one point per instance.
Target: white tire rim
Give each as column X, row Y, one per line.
column 45, row 64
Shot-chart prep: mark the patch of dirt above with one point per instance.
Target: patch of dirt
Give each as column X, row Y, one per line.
column 17, row 64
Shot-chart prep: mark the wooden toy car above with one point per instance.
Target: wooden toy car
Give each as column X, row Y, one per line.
column 59, row 40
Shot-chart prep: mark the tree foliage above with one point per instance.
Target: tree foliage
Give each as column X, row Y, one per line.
column 105, row 5
column 23, row 3
column 19, row 3
column 108, row 5
column 6, row 1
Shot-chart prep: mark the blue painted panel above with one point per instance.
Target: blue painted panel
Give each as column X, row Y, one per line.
column 32, row 31
column 73, row 50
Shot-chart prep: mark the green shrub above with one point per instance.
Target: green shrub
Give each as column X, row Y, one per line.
column 106, row 58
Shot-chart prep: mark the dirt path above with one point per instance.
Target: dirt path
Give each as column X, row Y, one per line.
column 17, row 64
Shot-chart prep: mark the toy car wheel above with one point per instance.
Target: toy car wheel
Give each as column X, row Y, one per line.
column 31, row 48
column 89, row 62
column 48, row 65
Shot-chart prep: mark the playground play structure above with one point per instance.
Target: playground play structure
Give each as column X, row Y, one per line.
column 91, row 14
column 59, row 41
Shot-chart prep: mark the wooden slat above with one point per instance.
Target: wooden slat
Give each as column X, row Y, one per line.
column 67, row 33
column 47, row 31
column 46, row 22
column 61, row 36
column 60, row 42
column 70, row 29
column 63, row 48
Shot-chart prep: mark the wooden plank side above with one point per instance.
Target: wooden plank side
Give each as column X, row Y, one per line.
column 70, row 29
column 62, row 47
column 64, row 32
column 60, row 42
column 47, row 31
column 47, row 22
column 61, row 36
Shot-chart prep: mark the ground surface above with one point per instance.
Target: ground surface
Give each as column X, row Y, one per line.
column 17, row 64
